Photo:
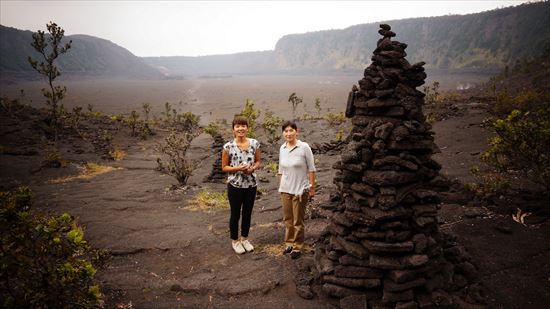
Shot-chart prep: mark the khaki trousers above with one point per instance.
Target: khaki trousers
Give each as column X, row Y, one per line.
column 294, row 208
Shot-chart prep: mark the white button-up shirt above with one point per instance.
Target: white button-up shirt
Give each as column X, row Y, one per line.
column 294, row 165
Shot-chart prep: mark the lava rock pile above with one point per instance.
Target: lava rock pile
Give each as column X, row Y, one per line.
column 216, row 174
column 382, row 247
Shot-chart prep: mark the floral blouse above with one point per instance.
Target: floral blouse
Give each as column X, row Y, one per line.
column 238, row 156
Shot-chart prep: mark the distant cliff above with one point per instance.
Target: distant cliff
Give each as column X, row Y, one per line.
column 487, row 40
column 491, row 39
column 89, row 56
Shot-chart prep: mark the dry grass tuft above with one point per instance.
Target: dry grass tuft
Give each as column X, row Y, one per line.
column 271, row 249
column 87, row 171
column 277, row 249
column 265, row 225
column 207, row 200
column 118, row 154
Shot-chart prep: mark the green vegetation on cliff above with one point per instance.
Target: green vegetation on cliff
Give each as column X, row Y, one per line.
column 490, row 39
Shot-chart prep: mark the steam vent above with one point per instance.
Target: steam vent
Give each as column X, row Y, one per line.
column 382, row 247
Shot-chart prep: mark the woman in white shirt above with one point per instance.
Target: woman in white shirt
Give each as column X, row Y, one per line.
column 240, row 160
column 296, row 186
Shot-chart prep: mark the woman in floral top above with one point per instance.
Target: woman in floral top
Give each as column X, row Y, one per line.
column 240, row 159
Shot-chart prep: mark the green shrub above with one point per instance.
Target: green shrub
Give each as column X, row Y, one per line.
column 117, row 118
column 175, row 150
column 45, row 262
column 272, row 125
column 272, row 167
column 522, row 144
column 340, row 135
column 213, row 129
column 318, row 107
column 167, row 113
column 144, row 130
column 431, row 117
column 432, row 95
column 306, row 116
column 91, row 113
column 146, row 110
column 524, row 101
column 74, row 118
column 9, row 106
column 132, row 122
column 334, row 119
column 186, row 121
column 52, row 158
column 251, row 114
column 105, row 144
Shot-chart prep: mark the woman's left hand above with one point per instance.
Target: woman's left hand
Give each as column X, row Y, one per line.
column 249, row 170
column 311, row 193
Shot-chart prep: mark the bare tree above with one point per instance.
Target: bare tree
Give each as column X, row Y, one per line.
column 175, row 148
column 50, row 47
column 295, row 101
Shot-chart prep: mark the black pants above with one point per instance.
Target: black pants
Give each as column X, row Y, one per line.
column 240, row 198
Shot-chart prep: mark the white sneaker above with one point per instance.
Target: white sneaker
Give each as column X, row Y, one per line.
column 238, row 247
column 247, row 245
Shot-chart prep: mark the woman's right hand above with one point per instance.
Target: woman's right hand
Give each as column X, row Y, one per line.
column 242, row 167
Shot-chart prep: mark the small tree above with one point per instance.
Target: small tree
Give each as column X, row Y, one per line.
column 175, row 149
column 144, row 129
column 251, row 115
column 318, row 107
column 295, row 101
column 271, row 126
column 146, row 110
column 50, row 47
column 167, row 112
column 133, row 122
column 432, row 94
column 75, row 118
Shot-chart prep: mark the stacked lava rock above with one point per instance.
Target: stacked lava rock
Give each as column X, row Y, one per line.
column 330, row 148
column 216, row 174
column 382, row 245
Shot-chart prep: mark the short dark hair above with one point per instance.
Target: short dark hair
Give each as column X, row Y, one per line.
column 289, row 123
column 239, row 119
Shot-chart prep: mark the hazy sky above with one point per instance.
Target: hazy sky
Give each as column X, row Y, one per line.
column 193, row 28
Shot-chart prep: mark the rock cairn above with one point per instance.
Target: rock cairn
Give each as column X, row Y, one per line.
column 382, row 246
column 216, row 174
